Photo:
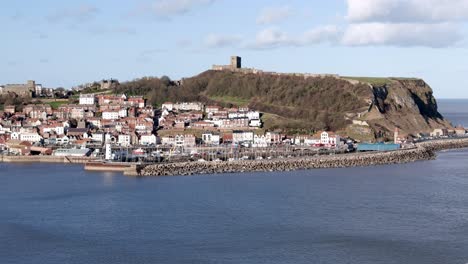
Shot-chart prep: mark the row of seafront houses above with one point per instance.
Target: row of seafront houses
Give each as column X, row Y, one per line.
column 250, row 139
column 128, row 121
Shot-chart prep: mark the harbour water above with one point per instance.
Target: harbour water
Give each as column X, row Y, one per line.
column 408, row 213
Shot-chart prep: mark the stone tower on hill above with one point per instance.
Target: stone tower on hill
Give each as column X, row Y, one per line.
column 236, row 62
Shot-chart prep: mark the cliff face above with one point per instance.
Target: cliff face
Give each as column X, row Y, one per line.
column 407, row 104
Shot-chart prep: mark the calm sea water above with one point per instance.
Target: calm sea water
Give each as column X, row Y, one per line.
column 455, row 110
column 411, row 213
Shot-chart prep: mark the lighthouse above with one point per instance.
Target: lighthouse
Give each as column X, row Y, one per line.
column 108, row 152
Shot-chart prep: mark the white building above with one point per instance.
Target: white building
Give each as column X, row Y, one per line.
column 273, row 137
column 329, row 138
column 210, row 138
column 72, row 152
column 168, row 140
column 110, row 115
column 167, row 106
column 192, row 106
column 123, row 112
column 148, row 139
column 253, row 115
column 96, row 122
column 30, row 137
column 324, row 138
column 239, row 137
column 97, row 137
column 87, row 99
column 38, row 89
column 59, row 130
column 15, row 136
column 255, row 123
column 185, row 140
column 63, row 140
column 124, row 140
column 260, row 141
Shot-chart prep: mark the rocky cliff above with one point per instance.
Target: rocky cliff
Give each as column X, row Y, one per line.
column 407, row 104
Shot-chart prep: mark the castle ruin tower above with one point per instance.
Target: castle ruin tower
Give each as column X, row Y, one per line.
column 236, row 62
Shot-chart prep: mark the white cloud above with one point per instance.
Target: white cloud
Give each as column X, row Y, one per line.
column 275, row 38
column 404, row 23
column 167, row 8
column 273, row 15
column 402, row 34
column 221, row 41
column 271, row 38
column 329, row 34
column 399, row 11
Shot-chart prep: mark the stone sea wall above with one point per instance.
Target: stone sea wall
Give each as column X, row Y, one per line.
column 444, row 144
column 422, row 151
column 335, row 161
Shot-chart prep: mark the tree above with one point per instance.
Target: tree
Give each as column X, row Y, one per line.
column 166, row 81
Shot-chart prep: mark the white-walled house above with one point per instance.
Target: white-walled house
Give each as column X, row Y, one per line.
column 123, row 112
column 124, row 140
column 190, row 106
column 148, row 139
column 62, row 140
column 110, row 115
column 97, row 137
column 179, row 140
column 168, row 140
column 168, row 106
column 273, row 137
column 30, row 137
column 95, row 121
column 329, row 138
column 59, row 130
column 87, row 99
column 255, row 123
column 260, row 141
column 324, row 138
column 253, row 115
column 15, row 136
column 239, row 137
column 210, row 138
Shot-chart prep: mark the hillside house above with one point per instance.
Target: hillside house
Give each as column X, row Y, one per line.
column 211, row 138
column 242, row 137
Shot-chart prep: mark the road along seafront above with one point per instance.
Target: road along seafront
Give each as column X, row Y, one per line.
column 422, row 151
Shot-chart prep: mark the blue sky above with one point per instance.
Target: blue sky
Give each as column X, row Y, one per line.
column 65, row 43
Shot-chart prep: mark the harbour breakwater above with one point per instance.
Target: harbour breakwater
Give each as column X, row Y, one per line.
column 422, row 151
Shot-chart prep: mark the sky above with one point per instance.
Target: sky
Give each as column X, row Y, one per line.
column 67, row 43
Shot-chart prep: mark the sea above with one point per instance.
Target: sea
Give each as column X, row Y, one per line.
column 408, row 213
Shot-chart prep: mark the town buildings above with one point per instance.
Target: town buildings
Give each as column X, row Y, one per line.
column 125, row 121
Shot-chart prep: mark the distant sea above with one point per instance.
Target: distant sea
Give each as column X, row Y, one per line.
column 455, row 110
